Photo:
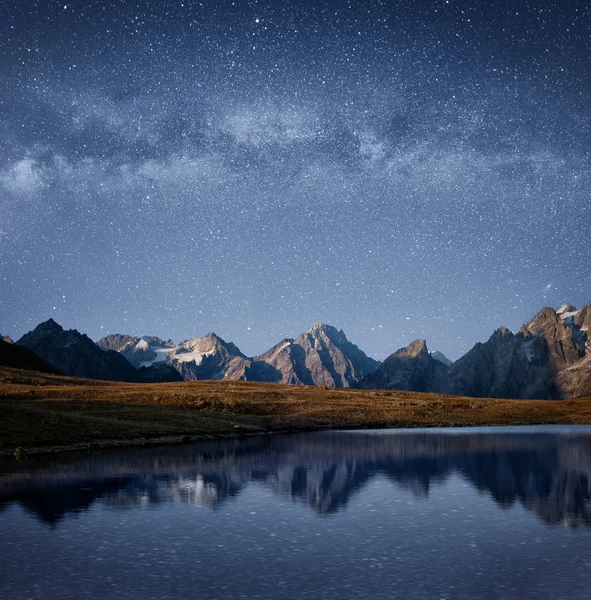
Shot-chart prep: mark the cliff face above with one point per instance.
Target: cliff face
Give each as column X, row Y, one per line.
column 498, row 368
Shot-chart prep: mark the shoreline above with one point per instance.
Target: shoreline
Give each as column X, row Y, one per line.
column 48, row 414
column 105, row 444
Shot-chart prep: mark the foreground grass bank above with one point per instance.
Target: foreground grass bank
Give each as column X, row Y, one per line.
column 39, row 411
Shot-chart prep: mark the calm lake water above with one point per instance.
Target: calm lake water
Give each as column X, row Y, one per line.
column 470, row 513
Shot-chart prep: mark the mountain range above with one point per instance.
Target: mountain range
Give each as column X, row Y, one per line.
column 321, row 356
column 75, row 354
column 549, row 358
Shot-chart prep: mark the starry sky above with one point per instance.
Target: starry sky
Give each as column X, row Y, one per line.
column 396, row 168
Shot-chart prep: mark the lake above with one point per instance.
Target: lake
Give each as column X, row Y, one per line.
column 457, row 513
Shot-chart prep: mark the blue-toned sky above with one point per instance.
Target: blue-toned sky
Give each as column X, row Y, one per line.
column 399, row 169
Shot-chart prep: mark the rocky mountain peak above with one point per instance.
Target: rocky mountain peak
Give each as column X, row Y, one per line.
column 6, row 338
column 336, row 336
column 501, row 334
column 564, row 341
column 321, row 356
column 117, row 342
column 566, row 308
column 48, row 326
column 409, row 368
column 414, row 349
column 210, row 343
column 438, row 355
column 547, row 316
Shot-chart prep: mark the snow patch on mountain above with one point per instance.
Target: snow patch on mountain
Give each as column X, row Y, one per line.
column 162, row 354
column 195, row 355
column 567, row 311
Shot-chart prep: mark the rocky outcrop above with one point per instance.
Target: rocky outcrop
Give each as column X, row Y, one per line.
column 77, row 355
column 18, row 357
column 561, row 348
column 548, row 358
column 411, row 368
column 6, row 338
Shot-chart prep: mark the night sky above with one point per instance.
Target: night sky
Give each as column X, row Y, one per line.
column 399, row 169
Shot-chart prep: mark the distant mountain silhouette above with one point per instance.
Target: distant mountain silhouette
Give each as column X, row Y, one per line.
column 19, row 357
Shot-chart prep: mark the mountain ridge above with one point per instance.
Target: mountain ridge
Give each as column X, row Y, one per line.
column 75, row 354
column 548, row 358
column 321, row 356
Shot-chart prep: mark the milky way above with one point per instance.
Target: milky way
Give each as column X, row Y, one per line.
column 397, row 169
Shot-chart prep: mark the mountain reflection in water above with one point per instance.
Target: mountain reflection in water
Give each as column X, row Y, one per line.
column 547, row 471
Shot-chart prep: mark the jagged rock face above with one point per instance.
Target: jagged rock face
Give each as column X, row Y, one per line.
column 6, row 338
column 117, row 342
column 582, row 319
column 499, row 368
column 411, row 368
column 548, row 358
column 77, row 355
column 321, row 356
column 208, row 357
column 140, row 352
column 581, row 322
column 18, row 357
column 564, row 344
column 575, row 381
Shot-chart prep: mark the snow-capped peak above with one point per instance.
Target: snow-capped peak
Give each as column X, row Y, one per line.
column 566, row 311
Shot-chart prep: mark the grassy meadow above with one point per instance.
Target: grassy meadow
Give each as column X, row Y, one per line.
column 42, row 412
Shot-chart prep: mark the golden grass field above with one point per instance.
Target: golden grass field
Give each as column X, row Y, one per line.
column 39, row 411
